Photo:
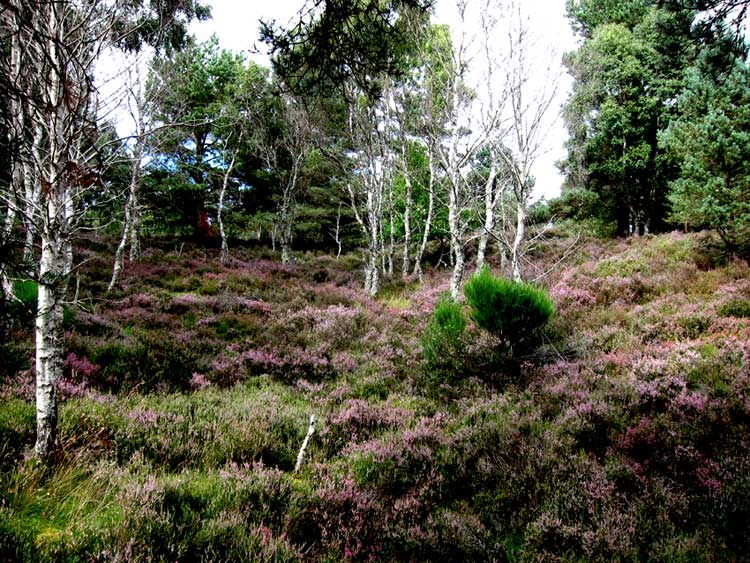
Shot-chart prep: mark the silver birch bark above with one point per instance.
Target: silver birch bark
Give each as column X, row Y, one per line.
column 530, row 105
column 368, row 131
column 428, row 221
column 131, row 210
column 408, row 202
column 55, row 231
column 220, row 211
column 515, row 251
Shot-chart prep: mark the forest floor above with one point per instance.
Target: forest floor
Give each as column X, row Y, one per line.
column 188, row 391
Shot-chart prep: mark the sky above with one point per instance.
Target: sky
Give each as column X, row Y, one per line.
column 236, row 26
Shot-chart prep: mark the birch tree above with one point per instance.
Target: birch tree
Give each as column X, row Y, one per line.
column 452, row 139
column 531, row 101
column 368, row 128
column 141, row 104
column 285, row 141
column 60, row 43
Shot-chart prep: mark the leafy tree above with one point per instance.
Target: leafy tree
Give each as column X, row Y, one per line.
column 206, row 93
column 626, row 77
column 46, row 69
column 336, row 41
column 711, row 138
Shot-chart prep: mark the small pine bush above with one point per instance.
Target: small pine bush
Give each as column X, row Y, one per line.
column 512, row 311
column 442, row 339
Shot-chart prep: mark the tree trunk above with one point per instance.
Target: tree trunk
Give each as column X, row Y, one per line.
column 391, row 235
column 515, row 254
column 457, row 247
column 287, row 210
column 131, row 210
column 407, row 220
column 490, row 202
column 428, row 221
column 219, row 212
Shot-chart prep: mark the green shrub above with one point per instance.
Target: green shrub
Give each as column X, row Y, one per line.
column 739, row 308
column 443, row 338
column 512, row 311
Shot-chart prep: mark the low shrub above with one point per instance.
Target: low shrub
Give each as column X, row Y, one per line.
column 512, row 311
column 739, row 308
column 443, row 340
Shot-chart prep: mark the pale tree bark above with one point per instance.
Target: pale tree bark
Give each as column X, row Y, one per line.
column 369, row 130
column 515, row 258
column 140, row 102
column 129, row 229
column 57, row 171
column 450, row 135
column 490, row 204
column 61, row 42
column 295, row 143
column 403, row 140
column 288, row 206
column 391, row 235
column 494, row 101
column 408, row 203
column 428, row 221
column 530, row 102
column 337, row 233
column 220, row 211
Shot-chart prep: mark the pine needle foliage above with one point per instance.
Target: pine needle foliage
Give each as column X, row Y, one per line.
column 442, row 339
column 512, row 311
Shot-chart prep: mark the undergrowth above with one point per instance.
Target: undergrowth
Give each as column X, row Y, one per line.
column 187, row 395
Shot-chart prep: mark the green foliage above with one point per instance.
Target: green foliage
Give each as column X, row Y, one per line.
column 712, row 141
column 16, row 431
column 627, row 73
column 358, row 40
column 739, row 308
column 443, row 339
column 512, row 311
column 27, row 293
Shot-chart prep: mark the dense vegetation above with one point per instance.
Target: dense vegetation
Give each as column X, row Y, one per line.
column 246, row 331
column 186, row 397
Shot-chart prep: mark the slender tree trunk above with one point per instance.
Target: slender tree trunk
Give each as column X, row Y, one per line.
column 136, row 219
column 337, row 233
column 131, row 210
column 407, row 218
column 32, row 190
column 10, row 219
column 490, row 202
column 428, row 221
column 457, row 246
column 287, row 209
column 56, row 223
column 391, row 235
column 219, row 213
column 515, row 254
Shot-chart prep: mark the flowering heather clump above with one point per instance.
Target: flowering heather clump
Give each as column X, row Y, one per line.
column 359, row 420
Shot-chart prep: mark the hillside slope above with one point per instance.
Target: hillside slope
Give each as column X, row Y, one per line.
column 188, row 392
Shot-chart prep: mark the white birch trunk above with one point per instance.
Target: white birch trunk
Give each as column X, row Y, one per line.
column 219, row 213
column 337, row 233
column 131, row 210
column 428, row 221
column 515, row 252
column 286, row 213
column 407, row 217
column 490, row 203
column 457, row 247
